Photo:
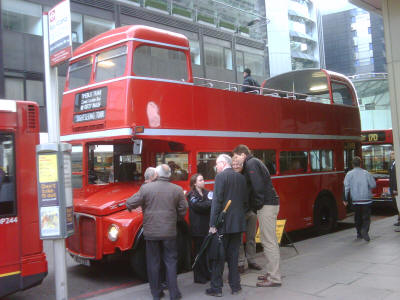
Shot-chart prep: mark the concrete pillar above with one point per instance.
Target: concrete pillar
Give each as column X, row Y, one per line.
column 391, row 21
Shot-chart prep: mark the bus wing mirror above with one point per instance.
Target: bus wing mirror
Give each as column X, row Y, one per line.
column 137, row 147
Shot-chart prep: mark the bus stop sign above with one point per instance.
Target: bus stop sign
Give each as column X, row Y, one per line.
column 54, row 190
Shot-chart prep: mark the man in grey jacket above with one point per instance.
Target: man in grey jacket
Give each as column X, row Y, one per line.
column 162, row 204
column 358, row 184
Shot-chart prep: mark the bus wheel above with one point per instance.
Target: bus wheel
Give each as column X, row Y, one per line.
column 137, row 259
column 324, row 215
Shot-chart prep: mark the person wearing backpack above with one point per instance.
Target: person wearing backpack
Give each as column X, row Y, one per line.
column 249, row 81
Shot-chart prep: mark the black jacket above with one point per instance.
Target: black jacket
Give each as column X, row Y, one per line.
column 259, row 184
column 229, row 185
column 392, row 179
column 199, row 212
column 248, row 80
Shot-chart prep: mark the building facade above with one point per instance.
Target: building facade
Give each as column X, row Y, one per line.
column 354, row 42
column 225, row 37
column 294, row 35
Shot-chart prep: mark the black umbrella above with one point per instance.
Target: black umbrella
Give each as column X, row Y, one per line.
column 210, row 235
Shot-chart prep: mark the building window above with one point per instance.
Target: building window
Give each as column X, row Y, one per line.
column 370, row 46
column 14, row 88
column 228, row 59
column 21, row 16
column 354, row 33
column 239, row 61
column 76, row 28
column 251, row 58
column 94, row 26
column 195, row 52
column 35, row 91
column 369, row 30
column 217, row 53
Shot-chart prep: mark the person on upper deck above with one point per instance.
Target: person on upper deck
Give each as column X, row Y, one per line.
column 248, row 81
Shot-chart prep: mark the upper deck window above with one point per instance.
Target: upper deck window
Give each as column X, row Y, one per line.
column 310, row 85
column 111, row 64
column 7, row 176
column 79, row 73
column 341, row 94
column 159, row 62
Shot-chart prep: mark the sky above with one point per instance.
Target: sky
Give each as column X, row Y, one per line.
column 332, row 6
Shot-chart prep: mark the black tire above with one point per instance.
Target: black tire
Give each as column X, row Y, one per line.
column 137, row 259
column 325, row 215
column 138, row 256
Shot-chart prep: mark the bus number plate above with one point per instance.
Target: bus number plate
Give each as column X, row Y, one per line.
column 82, row 261
column 90, row 116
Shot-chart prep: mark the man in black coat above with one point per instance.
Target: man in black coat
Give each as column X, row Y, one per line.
column 248, row 80
column 229, row 185
column 263, row 199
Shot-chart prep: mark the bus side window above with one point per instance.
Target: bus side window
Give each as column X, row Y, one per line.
column 7, row 175
column 293, row 162
column 321, row 160
column 268, row 157
column 178, row 162
column 159, row 62
column 206, row 164
column 341, row 94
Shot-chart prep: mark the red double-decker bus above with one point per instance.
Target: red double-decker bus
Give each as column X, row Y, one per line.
column 22, row 260
column 131, row 102
column 376, row 148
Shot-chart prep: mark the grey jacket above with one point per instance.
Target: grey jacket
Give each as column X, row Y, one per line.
column 162, row 204
column 359, row 183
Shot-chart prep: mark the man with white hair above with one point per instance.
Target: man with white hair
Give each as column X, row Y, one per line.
column 162, row 204
column 150, row 175
column 229, row 185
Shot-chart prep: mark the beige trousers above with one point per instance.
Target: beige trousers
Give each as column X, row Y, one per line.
column 267, row 222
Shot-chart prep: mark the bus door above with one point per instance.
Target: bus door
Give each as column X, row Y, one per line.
column 9, row 225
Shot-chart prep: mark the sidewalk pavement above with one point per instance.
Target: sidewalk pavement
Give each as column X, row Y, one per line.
column 333, row 266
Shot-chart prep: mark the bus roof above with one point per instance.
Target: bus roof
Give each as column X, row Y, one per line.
column 132, row 32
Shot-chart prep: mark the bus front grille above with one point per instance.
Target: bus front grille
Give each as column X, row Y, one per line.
column 83, row 241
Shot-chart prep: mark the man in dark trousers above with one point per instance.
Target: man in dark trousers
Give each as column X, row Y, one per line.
column 229, row 185
column 263, row 199
column 359, row 184
column 248, row 80
column 162, row 204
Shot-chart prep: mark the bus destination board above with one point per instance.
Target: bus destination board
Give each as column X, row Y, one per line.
column 376, row 136
column 90, row 100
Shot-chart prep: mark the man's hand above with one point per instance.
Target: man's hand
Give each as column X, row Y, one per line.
column 345, row 203
column 212, row 230
column 395, row 193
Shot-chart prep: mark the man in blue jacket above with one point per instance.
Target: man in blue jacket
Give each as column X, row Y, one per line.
column 358, row 183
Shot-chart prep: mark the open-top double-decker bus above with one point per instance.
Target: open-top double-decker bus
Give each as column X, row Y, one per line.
column 131, row 102
column 22, row 260
column 376, row 148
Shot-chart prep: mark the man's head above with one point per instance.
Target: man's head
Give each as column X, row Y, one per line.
column 356, row 161
column 392, row 156
column 246, row 72
column 223, row 162
column 163, row 171
column 237, row 165
column 150, row 174
column 240, row 153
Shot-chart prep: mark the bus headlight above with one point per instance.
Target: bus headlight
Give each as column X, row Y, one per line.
column 113, row 232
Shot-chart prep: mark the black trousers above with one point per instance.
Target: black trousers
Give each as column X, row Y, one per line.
column 157, row 253
column 362, row 218
column 231, row 242
column 201, row 274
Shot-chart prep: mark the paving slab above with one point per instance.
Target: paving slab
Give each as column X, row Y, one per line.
column 333, row 266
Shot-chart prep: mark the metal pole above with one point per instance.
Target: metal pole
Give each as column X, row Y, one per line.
column 2, row 85
column 53, row 125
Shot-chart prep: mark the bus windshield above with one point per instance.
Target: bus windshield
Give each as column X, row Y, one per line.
column 113, row 163
column 377, row 159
